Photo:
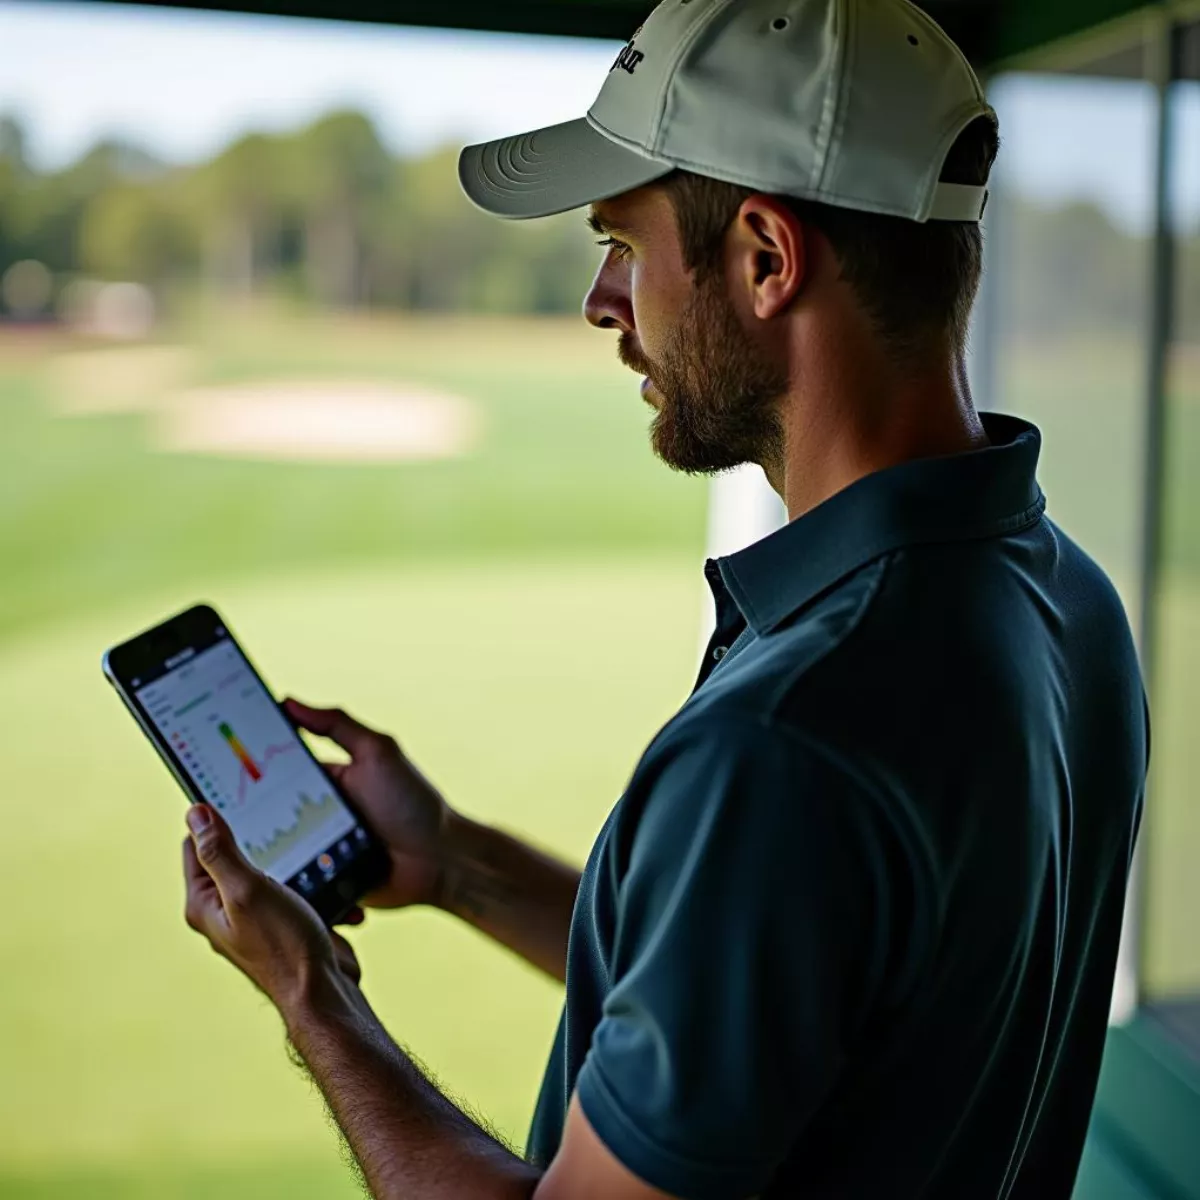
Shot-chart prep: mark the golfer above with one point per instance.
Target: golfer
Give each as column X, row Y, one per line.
column 851, row 931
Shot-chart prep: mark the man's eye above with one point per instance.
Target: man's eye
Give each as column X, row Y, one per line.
column 620, row 247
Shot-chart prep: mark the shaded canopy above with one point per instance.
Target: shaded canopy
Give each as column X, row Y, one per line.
column 990, row 31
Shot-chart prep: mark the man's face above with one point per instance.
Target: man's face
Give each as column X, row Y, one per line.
column 714, row 388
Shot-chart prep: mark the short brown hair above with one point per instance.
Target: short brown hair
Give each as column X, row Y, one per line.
column 917, row 282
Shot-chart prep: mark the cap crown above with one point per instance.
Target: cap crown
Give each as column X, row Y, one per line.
column 851, row 102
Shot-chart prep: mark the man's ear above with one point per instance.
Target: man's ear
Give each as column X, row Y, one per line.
column 771, row 254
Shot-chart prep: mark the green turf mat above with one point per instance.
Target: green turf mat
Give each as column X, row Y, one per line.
column 284, row 1180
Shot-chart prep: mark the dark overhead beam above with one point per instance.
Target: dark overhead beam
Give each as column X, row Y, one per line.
column 615, row 19
column 972, row 23
column 989, row 31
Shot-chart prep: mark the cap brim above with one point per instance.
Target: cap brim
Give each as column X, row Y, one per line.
column 552, row 170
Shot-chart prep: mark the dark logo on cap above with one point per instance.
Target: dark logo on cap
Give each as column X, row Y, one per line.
column 629, row 58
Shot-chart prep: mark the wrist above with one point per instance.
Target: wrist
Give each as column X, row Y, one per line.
column 322, row 995
column 459, row 852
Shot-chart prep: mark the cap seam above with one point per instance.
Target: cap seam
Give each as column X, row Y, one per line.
column 660, row 115
column 833, row 113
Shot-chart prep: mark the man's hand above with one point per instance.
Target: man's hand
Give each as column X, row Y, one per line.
column 403, row 807
column 409, row 1138
column 505, row 888
column 266, row 930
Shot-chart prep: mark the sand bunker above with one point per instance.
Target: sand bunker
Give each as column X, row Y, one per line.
column 301, row 420
column 316, row 422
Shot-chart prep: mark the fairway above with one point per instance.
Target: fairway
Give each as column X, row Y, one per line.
column 92, row 511
column 522, row 612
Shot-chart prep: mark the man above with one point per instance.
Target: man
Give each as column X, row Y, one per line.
column 852, row 929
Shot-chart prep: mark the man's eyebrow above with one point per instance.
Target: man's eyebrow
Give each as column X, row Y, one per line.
column 598, row 224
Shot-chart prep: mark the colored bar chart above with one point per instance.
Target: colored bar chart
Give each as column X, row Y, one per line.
column 242, row 753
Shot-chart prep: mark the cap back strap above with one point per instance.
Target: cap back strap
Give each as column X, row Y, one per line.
column 958, row 202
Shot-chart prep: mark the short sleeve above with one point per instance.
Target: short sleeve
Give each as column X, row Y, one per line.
column 751, row 930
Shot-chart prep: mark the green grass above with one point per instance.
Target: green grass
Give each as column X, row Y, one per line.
column 523, row 619
column 294, row 1176
column 527, row 693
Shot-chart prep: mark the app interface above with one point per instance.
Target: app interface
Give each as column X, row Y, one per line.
column 249, row 763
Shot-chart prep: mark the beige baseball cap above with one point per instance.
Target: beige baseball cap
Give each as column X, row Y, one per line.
column 854, row 103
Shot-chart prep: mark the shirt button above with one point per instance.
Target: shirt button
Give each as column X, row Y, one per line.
column 719, row 653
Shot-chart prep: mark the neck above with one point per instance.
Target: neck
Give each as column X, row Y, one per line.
column 857, row 414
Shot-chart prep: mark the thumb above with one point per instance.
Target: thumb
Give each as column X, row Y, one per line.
column 219, row 854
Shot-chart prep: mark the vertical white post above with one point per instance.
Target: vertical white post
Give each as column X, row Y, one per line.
column 742, row 509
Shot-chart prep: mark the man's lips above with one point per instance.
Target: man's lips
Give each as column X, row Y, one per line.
column 650, row 393
column 633, row 359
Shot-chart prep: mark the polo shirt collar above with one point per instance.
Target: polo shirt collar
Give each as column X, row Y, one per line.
column 962, row 497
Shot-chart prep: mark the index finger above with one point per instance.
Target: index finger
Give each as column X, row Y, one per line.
column 333, row 723
column 194, row 873
column 200, row 892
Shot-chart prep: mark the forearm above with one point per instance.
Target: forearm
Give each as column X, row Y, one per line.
column 510, row 891
column 409, row 1139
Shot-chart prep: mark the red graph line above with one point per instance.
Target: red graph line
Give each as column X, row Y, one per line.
column 267, row 755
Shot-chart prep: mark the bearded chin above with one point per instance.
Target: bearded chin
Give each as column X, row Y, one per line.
column 684, row 447
column 719, row 391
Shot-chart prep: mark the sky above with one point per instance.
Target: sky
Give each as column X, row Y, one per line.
column 182, row 84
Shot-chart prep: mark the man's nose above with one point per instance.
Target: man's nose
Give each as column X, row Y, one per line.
column 606, row 305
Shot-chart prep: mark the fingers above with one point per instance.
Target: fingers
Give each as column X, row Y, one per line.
column 202, row 900
column 194, row 875
column 218, row 855
column 338, row 726
column 335, row 771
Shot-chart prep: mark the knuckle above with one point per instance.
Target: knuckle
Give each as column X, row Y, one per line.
column 239, row 892
column 208, row 850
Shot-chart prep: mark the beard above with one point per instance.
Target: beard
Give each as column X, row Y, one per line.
column 718, row 390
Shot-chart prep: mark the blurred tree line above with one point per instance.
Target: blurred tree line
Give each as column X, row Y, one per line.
column 328, row 214
column 1070, row 270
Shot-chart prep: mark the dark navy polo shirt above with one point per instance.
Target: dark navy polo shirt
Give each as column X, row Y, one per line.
column 851, row 931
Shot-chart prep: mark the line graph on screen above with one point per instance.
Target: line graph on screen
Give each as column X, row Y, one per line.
column 307, row 816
